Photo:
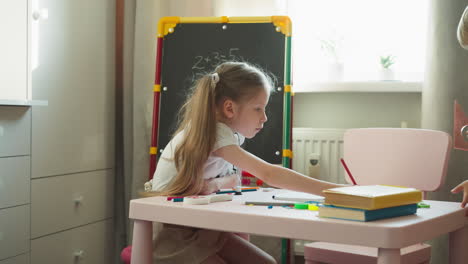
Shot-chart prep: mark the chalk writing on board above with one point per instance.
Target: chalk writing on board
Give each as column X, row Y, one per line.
column 208, row 61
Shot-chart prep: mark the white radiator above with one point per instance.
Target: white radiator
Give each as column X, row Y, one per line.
column 323, row 145
column 317, row 153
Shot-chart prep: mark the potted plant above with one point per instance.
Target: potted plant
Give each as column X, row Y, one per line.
column 386, row 73
column 331, row 48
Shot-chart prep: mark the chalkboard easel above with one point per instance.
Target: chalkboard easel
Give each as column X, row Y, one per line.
column 190, row 47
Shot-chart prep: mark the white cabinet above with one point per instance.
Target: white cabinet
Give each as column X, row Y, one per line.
column 61, row 199
column 14, row 65
column 15, row 180
column 18, row 50
column 72, row 168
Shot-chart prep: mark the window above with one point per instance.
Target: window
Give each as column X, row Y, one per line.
column 343, row 41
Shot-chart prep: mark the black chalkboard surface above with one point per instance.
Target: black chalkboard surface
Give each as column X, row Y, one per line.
column 194, row 49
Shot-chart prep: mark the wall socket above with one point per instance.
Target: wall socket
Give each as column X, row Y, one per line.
column 299, row 246
column 464, row 132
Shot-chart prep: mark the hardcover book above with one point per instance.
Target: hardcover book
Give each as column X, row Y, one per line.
column 346, row 213
column 371, row 197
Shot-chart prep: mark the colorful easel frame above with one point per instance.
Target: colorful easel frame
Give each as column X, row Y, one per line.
column 167, row 25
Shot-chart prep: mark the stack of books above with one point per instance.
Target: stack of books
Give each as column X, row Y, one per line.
column 369, row 202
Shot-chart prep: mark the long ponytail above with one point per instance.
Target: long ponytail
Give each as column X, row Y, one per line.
column 199, row 127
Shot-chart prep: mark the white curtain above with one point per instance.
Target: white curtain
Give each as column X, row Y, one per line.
column 139, row 72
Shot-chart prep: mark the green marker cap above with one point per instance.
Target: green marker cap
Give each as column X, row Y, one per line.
column 302, row 206
column 423, row 205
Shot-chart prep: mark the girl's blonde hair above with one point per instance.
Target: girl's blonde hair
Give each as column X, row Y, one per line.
column 237, row 81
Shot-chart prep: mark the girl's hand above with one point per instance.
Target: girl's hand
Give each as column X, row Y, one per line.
column 462, row 187
column 215, row 184
column 229, row 181
column 211, row 186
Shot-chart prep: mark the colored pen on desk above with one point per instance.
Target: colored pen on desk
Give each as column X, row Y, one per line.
column 221, row 192
column 250, row 188
column 242, row 190
column 349, row 172
column 173, row 197
column 272, row 203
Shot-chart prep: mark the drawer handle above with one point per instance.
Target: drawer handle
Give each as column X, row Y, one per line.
column 78, row 200
column 78, row 254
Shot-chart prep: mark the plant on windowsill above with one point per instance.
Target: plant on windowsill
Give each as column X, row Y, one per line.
column 331, row 48
column 386, row 73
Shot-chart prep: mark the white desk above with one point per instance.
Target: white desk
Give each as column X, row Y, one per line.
column 389, row 235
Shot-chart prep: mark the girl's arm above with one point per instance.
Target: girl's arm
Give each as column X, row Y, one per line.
column 273, row 175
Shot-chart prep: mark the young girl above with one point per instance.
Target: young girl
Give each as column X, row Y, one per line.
column 224, row 107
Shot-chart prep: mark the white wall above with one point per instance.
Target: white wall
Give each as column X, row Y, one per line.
column 354, row 110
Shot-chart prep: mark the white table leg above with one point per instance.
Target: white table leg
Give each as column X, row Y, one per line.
column 142, row 244
column 389, row 256
column 458, row 243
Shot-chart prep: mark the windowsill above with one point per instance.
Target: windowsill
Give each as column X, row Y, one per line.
column 18, row 102
column 368, row 87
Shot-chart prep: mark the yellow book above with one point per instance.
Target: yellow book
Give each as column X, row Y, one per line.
column 371, row 197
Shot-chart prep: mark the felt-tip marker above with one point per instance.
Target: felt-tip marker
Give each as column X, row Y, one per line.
column 174, row 197
column 233, row 191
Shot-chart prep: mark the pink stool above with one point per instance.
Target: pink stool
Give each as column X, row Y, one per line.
column 126, row 254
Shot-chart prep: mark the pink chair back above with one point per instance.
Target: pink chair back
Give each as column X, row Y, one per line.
column 415, row 158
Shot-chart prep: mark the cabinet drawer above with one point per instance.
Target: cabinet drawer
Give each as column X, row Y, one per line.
column 15, row 129
column 14, row 181
column 89, row 244
column 64, row 202
column 21, row 259
column 14, row 231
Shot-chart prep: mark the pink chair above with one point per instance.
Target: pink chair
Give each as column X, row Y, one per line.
column 415, row 158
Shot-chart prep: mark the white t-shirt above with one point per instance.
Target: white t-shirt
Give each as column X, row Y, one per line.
column 214, row 166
